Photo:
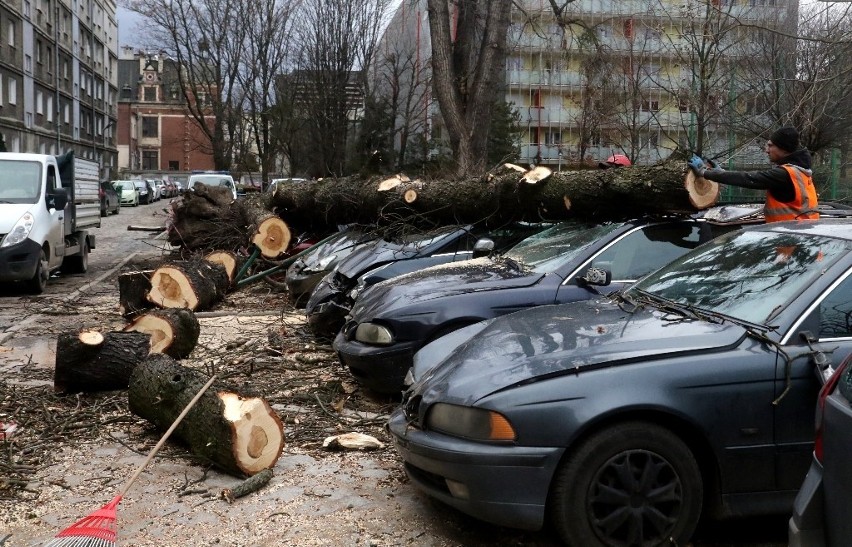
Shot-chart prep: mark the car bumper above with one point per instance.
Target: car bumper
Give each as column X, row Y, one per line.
column 326, row 319
column 502, row 484
column 381, row 369
column 19, row 262
column 300, row 286
column 806, row 527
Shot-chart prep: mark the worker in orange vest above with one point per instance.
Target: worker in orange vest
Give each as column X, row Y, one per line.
column 789, row 185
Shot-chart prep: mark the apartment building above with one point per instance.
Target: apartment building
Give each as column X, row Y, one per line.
column 621, row 77
column 156, row 132
column 58, row 76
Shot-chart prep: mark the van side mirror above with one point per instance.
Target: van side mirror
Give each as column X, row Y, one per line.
column 57, row 199
column 483, row 247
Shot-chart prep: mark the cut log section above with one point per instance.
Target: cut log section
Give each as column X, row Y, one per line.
column 195, row 285
column 239, row 435
column 173, row 331
column 231, row 261
column 133, row 288
column 88, row 361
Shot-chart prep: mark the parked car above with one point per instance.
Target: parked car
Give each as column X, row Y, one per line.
column 109, row 199
column 179, row 186
column 154, row 189
column 393, row 319
column 127, row 192
column 381, row 259
column 273, row 184
column 623, row 419
column 212, row 179
column 305, row 273
column 145, row 195
column 171, row 189
column 821, row 510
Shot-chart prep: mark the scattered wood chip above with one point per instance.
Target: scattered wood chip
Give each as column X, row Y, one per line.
column 352, row 441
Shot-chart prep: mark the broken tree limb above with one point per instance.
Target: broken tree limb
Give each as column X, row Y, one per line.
column 133, row 288
column 230, row 260
column 500, row 197
column 241, row 436
column 194, row 284
column 248, row 486
column 87, row 361
column 173, row 331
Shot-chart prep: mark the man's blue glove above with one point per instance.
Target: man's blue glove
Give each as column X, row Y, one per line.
column 697, row 165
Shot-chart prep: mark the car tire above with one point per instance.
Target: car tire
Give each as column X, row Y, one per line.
column 77, row 264
column 38, row 283
column 634, row 483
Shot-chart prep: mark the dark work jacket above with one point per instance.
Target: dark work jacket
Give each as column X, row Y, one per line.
column 776, row 180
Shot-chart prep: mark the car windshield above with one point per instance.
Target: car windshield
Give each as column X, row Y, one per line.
column 547, row 250
column 123, row 185
column 747, row 275
column 20, row 181
column 212, row 180
column 141, row 185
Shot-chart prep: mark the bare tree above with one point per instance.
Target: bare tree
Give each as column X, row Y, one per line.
column 338, row 38
column 468, row 63
column 203, row 37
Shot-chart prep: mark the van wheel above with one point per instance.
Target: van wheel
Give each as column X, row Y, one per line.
column 38, row 283
column 634, row 483
column 77, row 264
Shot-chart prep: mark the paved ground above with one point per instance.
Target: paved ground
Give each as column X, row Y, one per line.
column 315, row 498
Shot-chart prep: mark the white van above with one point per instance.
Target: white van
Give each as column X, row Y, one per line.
column 213, row 179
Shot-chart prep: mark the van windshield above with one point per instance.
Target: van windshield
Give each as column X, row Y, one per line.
column 20, row 181
column 211, row 180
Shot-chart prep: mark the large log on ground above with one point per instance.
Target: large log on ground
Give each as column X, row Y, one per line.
column 92, row 361
column 240, row 435
column 268, row 232
column 194, row 284
column 173, row 331
column 230, row 260
column 133, row 288
column 499, row 197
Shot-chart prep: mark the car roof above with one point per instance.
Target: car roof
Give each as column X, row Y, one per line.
column 839, row 228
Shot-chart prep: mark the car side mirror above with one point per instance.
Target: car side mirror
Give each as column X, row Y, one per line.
column 483, row 247
column 57, row 199
column 598, row 277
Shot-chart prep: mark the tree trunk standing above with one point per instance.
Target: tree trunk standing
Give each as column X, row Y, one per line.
column 241, row 436
column 467, row 66
column 104, row 366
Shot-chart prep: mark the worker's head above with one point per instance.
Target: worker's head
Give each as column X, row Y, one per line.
column 782, row 143
column 616, row 160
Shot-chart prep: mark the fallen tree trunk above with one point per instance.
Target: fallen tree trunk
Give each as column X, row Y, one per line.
column 88, row 360
column 241, row 436
column 497, row 198
column 173, row 331
column 194, row 284
column 230, row 260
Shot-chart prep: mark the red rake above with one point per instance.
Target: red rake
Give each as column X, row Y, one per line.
column 98, row 529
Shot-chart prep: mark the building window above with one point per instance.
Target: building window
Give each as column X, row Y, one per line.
column 149, row 160
column 174, row 165
column 49, row 110
column 28, row 64
column 11, row 34
column 150, row 94
column 29, row 119
column 39, row 102
column 67, row 113
column 13, row 91
column 149, row 127
column 1, row 90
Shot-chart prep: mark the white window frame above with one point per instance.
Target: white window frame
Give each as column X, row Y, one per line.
column 49, row 105
column 13, row 91
column 39, row 102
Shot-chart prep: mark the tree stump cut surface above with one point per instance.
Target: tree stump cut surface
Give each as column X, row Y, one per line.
column 173, row 331
column 240, row 435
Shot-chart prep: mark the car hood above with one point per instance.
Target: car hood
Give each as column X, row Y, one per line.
column 548, row 341
column 442, row 281
column 330, row 253
column 10, row 213
column 365, row 257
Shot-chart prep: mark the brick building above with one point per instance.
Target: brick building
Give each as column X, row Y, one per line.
column 156, row 132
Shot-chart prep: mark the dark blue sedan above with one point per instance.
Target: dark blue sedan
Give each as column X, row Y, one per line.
column 394, row 319
column 623, row 420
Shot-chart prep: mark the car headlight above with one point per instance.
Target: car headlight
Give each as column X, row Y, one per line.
column 20, row 231
column 471, row 423
column 370, row 333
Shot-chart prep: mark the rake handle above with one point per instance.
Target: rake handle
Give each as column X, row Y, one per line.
column 165, row 436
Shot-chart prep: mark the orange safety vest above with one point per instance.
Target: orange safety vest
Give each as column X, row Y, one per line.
column 803, row 206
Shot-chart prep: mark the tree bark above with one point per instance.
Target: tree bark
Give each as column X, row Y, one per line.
column 240, row 435
column 196, row 285
column 173, row 331
column 230, row 260
column 133, row 288
column 87, row 363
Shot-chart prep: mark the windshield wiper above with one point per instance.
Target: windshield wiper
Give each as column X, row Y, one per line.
column 666, row 304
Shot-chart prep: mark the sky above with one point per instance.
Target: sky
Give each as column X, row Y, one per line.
column 128, row 34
